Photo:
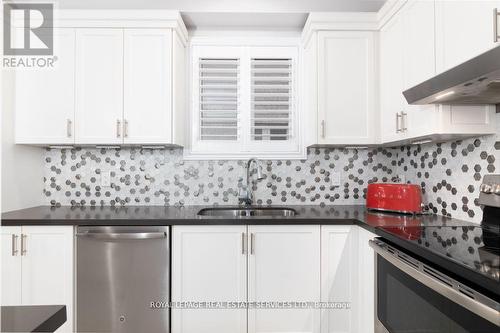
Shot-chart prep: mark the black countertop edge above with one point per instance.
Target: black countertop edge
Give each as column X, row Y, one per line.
column 33, row 318
column 475, row 280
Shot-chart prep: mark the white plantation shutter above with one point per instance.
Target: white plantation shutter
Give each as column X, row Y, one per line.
column 245, row 101
column 271, row 104
column 218, row 104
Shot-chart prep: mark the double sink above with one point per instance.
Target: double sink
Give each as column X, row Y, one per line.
column 247, row 212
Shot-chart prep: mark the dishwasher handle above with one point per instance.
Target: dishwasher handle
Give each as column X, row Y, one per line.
column 124, row 235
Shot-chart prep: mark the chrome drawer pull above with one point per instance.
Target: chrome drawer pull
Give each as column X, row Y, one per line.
column 14, row 245
column 24, row 249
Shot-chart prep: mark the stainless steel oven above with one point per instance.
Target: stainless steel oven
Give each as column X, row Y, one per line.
column 411, row 296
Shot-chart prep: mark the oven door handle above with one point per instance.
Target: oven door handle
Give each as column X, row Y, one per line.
column 490, row 313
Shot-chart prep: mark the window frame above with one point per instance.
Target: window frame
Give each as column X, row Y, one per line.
column 244, row 147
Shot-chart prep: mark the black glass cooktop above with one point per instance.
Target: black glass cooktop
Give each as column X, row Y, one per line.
column 474, row 247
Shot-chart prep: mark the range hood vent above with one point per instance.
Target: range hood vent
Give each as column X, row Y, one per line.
column 476, row 81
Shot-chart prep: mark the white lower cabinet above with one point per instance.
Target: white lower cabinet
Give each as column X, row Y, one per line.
column 366, row 282
column 338, row 278
column 209, row 264
column 11, row 266
column 284, row 266
column 37, row 267
column 347, row 280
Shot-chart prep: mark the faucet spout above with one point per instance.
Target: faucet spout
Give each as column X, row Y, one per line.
column 246, row 194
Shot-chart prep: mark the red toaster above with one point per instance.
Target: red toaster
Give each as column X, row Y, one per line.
column 401, row 198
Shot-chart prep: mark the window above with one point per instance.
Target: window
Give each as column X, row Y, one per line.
column 218, row 84
column 244, row 102
column 271, row 98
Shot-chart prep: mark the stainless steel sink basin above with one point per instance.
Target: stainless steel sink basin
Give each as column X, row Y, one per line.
column 247, row 212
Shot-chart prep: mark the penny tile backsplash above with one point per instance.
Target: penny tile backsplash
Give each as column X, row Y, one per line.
column 449, row 173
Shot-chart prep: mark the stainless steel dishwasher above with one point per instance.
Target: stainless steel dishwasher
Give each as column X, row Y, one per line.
column 120, row 272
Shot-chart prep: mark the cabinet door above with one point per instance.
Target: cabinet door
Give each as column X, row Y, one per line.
column 338, row 279
column 47, row 268
column 366, row 281
column 284, row 266
column 419, row 39
column 209, row 264
column 11, row 266
column 148, row 86
column 45, row 98
column 346, row 93
column 391, row 79
column 464, row 29
column 99, row 86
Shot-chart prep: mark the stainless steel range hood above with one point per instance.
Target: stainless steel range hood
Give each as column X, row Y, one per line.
column 476, row 81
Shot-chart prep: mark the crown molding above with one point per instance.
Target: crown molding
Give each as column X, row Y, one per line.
column 117, row 19
column 352, row 21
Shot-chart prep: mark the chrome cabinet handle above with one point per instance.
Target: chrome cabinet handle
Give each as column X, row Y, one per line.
column 495, row 25
column 243, row 237
column 404, row 117
column 118, row 128
column 14, row 245
column 125, row 128
column 126, row 235
column 398, row 129
column 24, row 249
column 69, row 128
column 323, row 129
column 252, row 241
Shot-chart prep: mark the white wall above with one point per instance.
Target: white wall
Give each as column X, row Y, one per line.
column 22, row 167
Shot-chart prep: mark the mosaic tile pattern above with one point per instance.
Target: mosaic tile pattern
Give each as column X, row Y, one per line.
column 449, row 173
column 162, row 177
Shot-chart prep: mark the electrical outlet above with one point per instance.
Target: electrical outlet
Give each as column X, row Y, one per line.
column 335, row 178
column 106, row 178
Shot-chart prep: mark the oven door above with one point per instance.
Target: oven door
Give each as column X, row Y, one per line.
column 413, row 297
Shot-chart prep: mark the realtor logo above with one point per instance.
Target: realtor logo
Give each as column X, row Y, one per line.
column 37, row 35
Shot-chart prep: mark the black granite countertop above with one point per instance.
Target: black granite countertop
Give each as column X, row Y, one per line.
column 406, row 231
column 469, row 253
column 161, row 215
column 33, row 318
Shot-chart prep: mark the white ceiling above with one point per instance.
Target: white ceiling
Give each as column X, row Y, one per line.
column 244, row 21
column 298, row 6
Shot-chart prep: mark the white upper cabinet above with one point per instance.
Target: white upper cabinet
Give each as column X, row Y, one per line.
column 408, row 45
column 112, row 84
column 391, row 79
column 45, row 97
column 419, row 62
column 347, row 112
column 284, row 266
column 409, row 33
column 99, row 86
column 464, row 29
column 147, row 116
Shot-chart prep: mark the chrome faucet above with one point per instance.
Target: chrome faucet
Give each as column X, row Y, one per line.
column 246, row 194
